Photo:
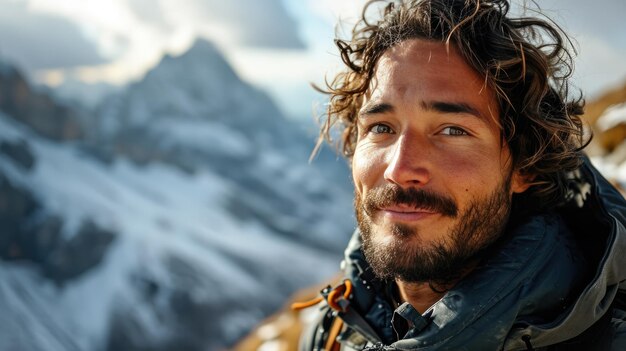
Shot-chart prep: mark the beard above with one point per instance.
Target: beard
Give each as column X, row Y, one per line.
column 407, row 257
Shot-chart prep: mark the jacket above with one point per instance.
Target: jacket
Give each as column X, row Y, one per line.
column 555, row 281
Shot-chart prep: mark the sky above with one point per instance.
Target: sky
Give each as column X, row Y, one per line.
column 279, row 45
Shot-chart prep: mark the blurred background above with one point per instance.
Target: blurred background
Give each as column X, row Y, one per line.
column 155, row 189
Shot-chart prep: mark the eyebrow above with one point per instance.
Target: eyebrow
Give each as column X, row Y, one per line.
column 438, row 106
column 451, row 107
column 375, row 108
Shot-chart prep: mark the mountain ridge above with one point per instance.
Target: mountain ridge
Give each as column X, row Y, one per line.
column 192, row 228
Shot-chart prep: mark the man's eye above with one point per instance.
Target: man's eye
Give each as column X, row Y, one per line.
column 380, row 129
column 455, row 131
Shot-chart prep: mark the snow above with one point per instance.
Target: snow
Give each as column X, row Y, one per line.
column 157, row 212
column 198, row 84
column 611, row 170
column 612, row 117
column 273, row 345
column 33, row 316
column 205, row 135
column 613, row 165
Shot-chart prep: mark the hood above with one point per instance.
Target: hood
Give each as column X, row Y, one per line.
column 600, row 227
column 533, row 272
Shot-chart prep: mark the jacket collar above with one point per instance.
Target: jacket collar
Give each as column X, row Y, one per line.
column 486, row 301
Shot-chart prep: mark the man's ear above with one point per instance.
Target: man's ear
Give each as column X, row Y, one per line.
column 521, row 182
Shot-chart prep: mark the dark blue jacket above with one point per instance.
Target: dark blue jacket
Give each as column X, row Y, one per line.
column 552, row 283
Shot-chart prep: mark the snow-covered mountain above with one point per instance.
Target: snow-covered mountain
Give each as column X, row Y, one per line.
column 186, row 89
column 185, row 214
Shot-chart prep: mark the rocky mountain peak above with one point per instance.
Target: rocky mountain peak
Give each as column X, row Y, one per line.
column 197, row 85
column 203, row 59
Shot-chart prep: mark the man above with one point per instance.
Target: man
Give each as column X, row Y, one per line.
column 481, row 226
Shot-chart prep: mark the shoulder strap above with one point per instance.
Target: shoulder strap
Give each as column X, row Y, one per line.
column 315, row 338
column 331, row 342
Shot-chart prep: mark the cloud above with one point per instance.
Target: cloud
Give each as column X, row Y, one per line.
column 599, row 36
column 43, row 41
column 582, row 17
column 250, row 23
column 148, row 11
column 117, row 40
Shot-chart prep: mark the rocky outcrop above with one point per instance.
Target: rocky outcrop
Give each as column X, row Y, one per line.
column 15, row 205
column 19, row 152
column 36, row 109
column 75, row 256
column 30, row 234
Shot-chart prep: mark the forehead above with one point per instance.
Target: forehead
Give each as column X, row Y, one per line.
column 418, row 69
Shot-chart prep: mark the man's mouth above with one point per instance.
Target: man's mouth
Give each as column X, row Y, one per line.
column 406, row 213
column 407, row 204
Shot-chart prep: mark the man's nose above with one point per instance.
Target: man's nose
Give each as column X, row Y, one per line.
column 409, row 163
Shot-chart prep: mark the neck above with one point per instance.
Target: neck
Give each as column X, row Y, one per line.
column 420, row 295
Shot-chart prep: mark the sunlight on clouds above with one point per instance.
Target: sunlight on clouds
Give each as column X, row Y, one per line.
column 52, row 77
column 103, row 21
column 115, row 73
column 109, row 23
column 134, row 45
column 133, row 35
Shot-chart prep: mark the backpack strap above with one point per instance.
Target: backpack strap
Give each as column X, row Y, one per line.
column 331, row 342
column 337, row 312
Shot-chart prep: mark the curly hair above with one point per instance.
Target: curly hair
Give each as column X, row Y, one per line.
column 524, row 60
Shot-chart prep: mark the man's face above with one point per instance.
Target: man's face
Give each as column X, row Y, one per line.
column 433, row 180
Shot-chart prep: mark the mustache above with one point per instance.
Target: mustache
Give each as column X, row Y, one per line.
column 390, row 194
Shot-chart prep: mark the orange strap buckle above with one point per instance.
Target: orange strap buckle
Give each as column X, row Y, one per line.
column 340, row 292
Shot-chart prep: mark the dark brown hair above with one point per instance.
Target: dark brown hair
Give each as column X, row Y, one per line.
column 524, row 60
